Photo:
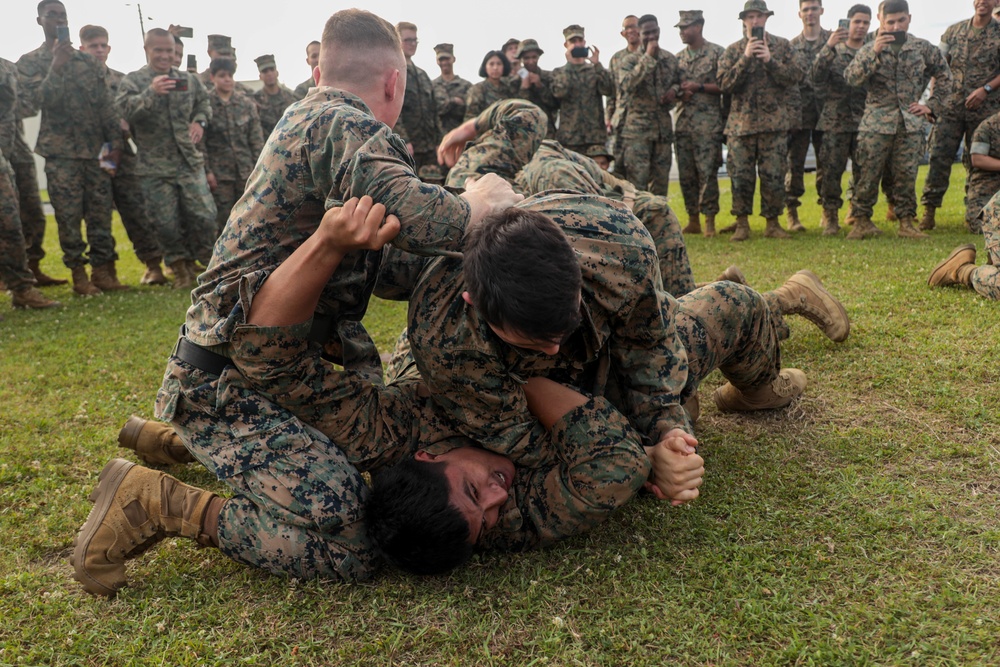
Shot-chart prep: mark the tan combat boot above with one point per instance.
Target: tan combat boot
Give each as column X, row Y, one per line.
column 41, row 278
column 956, row 268
column 792, row 217
column 134, row 508
column 890, row 215
column 30, row 297
column 692, row 407
column 863, row 228
column 742, row 229
column 730, row 229
column 82, row 284
column 709, row 226
column 155, row 443
column 803, row 294
column 781, row 391
column 773, row 230
column 908, row 231
column 105, row 278
column 927, row 222
column 831, row 223
column 694, row 224
column 183, row 278
column 733, row 274
column 154, row 274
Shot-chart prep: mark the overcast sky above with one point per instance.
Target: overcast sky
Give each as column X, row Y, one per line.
column 285, row 27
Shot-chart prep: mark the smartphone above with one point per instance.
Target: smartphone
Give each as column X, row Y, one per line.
column 192, row 63
column 757, row 33
column 899, row 37
column 184, row 32
column 523, row 73
column 62, row 33
column 580, row 51
column 180, row 84
column 844, row 24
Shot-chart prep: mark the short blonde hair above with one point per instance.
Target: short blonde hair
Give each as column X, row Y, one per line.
column 360, row 45
column 405, row 25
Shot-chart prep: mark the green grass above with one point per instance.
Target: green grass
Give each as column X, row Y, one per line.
column 860, row 526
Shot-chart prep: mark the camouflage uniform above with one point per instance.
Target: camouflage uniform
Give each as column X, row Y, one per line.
column 843, row 106
column 450, row 112
column 171, row 168
column 646, row 129
column 206, row 83
column 272, row 107
column 699, row 132
column 805, row 130
column 13, row 260
column 579, row 90
column 302, row 89
column 986, row 278
column 232, row 143
column 481, row 95
column 759, row 121
column 78, row 118
column 297, row 501
column 888, row 132
column 974, row 58
column 542, row 98
column 983, row 184
column 420, row 117
column 614, row 111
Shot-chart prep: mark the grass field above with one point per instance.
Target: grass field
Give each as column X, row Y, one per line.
column 857, row 527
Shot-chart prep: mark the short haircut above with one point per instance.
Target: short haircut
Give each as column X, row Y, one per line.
column 819, row 2
column 630, row 16
column 648, row 18
column 311, row 44
column 45, row 3
column 178, row 41
column 411, row 519
column 222, row 65
column 154, row 33
column 486, row 59
column 361, row 46
column 405, row 25
column 523, row 275
column 859, row 9
column 895, row 7
column 89, row 32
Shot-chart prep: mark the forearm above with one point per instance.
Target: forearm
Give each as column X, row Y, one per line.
column 985, row 162
column 550, row 401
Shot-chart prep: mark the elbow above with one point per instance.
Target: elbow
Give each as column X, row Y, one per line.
column 978, row 161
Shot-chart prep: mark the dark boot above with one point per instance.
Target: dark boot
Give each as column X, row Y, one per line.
column 41, row 278
column 105, row 278
column 155, row 443
column 694, row 224
column 30, row 297
column 82, row 284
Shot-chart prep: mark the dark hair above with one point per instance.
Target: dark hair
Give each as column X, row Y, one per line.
column 503, row 59
column 222, row 65
column 178, row 42
column 312, row 43
column 802, row 2
column 412, row 522
column 859, row 9
column 895, row 7
column 523, row 275
column 45, row 3
column 648, row 18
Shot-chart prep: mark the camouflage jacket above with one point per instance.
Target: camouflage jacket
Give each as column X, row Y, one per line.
column 8, row 107
column 447, row 94
column 206, row 81
column 302, row 89
column 974, row 58
column 985, row 141
column 702, row 114
column 897, row 80
column 129, row 161
column 78, row 112
column 233, row 140
column 161, row 123
column 580, row 90
column 761, row 91
column 272, row 107
column 644, row 80
column 481, row 95
column 542, row 98
column 615, row 101
column 810, row 95
column 843, row 105
column 420, row 115
column 331, row 149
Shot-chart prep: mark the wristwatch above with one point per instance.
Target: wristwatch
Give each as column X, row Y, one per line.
column 988, row 88
column 202, row 123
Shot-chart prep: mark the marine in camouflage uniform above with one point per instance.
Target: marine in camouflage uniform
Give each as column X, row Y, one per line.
column 483, row 94
column 312, row 59
column 959, row 268
column 758, row 124
column 973, row 54
column 450, row 90
column 580, row 86
column 220, row 46
column 614, row 110
column 419, row 117
column 983, row 183
column 649, row 80
column 271, row 104
column 889, row 133
column 537, row 92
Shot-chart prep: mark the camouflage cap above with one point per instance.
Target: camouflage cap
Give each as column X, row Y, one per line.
column 528, row 45
column 597, row 150
column 513, row 40
column 573, row 31
column 222, row 44
column 265, row 62
column 688, row 17
column 444, row 47
column 755, row 6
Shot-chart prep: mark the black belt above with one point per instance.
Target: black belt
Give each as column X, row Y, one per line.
column 199, row 357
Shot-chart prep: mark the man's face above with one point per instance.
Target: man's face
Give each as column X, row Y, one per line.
column 510, row 52
column 810, row 12
column 178, row 53
column 50, row 17
column 860, row 25
column 649, row 31
column 409, row 40
column 603, row 162
column 312, row 56
column 269, row 76
column 575, row 42
column 900, row 21
column 630, row 31
column 160, row 53
column 690, row 33
column 984, row 7
column 478, row 485
column 223, row 81
column 753, row 19
column 529, row 59
column 446, row 63
column 97, row 47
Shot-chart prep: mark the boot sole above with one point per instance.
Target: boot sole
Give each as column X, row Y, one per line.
column 817, row 284
column 954, row 253
column 107, row 484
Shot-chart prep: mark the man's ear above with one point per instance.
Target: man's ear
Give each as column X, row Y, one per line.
column 468, row 299
column 390, row 85
column 315, row 74
column 424, row 456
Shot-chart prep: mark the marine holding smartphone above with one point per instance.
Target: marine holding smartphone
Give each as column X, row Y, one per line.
column 580, row 86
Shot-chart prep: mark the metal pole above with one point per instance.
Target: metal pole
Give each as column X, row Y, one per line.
column 142, row 24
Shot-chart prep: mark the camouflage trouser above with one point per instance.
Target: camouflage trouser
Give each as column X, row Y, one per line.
column 80, row 190
column 182, row 211
column 979, row 190
column 834, row 152
column 698, row 160
column 661, row 223
column 225, row 195
column 13, row 260
column 899, row 152
column 947, row 136
column 647, row 164
column 986, row 278
column 127, row 190
column 798, row 149
column 886, row 181
column 29, row 199
column 750, row 155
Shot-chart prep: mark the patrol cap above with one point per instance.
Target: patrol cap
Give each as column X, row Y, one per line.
column 597, row 150
column 221, row 44
column 512, row 40
column 528, row 45
column 265, row 63
column 689, row 16
column 444, row 47
column 755, row 6
column 573, row 31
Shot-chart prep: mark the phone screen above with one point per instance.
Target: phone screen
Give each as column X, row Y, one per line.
column 62, row 33
column 192, row 62
column 580, row 51
column 757, row 32
column 845, row 24
column 900, row 36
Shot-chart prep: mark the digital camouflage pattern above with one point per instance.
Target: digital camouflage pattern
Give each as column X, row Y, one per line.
column 613, row 110
column 272, row 107
column 232, row 143
column 760, row 92
column 799, row 138
column 419, row 116
column 974, row 58
column 983, row 184
column 986, row 278
column 13, row 260
column 8, row 107
column 482, row 95
column 302, row 89
column 543, row 98
column 810, row 94
column 892, row 156
column 22, row 160
column 764, row 154
column 81, row 190
column 450, row 97
column 580, row 90
column 698, row 132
